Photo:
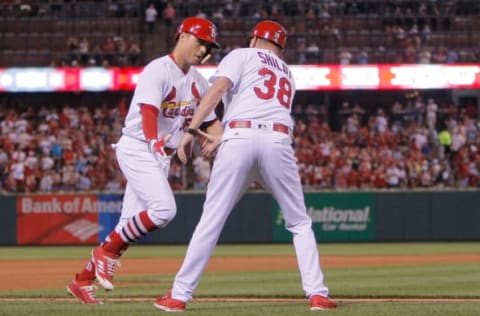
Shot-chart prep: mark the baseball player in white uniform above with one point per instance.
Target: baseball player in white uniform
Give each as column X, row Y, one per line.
column 257, row 90
column 166, row 96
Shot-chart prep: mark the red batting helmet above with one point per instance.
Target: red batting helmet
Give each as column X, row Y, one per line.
column 271, row 31
column 201, row 28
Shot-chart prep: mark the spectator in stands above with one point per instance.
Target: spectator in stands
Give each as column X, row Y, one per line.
column 345, row 56
column 431, row 114
column 424, row 56
column 83, row 51
column 312, row 53
column 439, row 55
column 217, row 15
column 426, row 33
column 151, row 17
column 414, row 36
column 115, row 184
column 169, row 14
column 72, row 45
column 108, row 51
column 380, row 54
column 84, row 183
column 399, row 35
column 362, row 57
column 46, row 182
column 134, row 53
column 302, row 53
column 445, row 141
column 121, row 51
column 201, row 14
column 459, row 139
column 25, row 8
column 452, row 56
column 381, row 121
column 393, row 174
column 201, row 167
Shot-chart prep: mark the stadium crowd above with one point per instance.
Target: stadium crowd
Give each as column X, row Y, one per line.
column 408, row 144
column 323, row 31
column 414, row 143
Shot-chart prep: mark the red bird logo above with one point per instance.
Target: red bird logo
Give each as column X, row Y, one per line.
column 171, row 95
column 195, row 92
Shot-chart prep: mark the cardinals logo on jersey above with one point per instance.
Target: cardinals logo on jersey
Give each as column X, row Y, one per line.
column 195, row 92
column 168, row 102
column 172, row 108
column 171, row 95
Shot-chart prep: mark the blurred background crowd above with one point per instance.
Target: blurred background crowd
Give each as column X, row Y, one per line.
column 131, row 32
column 416, row 139
column 413, row 142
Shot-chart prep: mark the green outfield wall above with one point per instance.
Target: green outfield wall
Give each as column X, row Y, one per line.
column 336, row 216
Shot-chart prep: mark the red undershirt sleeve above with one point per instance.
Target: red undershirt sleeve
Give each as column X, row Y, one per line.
column 149, row 121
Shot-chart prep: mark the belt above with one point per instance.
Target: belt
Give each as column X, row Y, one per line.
column 169, row 151
column 277, row 127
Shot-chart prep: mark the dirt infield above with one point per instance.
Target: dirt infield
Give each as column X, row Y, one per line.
column 256, row 300
column 43, row 274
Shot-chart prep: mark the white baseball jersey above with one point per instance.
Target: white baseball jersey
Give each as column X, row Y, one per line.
column 263, row 86
column 261, row 98
column 174, row 93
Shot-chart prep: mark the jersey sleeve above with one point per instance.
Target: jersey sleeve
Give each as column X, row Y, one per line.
column 203, row 83
column 152, row 85
column 230, row 67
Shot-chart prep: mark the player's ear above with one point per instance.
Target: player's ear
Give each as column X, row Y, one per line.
column 183, row 36
column 253, row 42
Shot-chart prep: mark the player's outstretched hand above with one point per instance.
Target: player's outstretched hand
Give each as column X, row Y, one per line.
column 157, row 146
column 184, row 150
column 211, row 143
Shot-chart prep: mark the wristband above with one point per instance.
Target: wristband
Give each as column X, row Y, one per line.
column 192, row 131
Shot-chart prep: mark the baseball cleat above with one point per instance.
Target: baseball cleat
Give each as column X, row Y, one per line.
column 318, row 303
column 168, row 304
column 84, row 291
column 105, row 264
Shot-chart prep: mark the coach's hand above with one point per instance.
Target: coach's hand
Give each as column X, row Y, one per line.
column 157, row 146
column 184, row 150
column 210, row 143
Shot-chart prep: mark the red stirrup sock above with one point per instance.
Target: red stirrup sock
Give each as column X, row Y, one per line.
column 87, row 274
column 114, row 244
column 136, row 227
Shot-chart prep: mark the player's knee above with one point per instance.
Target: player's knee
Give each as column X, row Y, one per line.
column 299, row 226
column 161, row 215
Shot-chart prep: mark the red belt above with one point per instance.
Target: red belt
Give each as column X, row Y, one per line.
column 169, row 151
column 277, row 127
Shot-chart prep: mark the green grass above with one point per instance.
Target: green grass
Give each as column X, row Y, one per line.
column 424, row 280
column 148, row 251
column 238, row 309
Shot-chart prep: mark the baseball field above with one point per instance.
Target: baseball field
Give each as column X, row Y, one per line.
column 364, row 278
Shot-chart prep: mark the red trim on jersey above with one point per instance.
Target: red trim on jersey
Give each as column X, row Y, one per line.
column 185, row 71
column 149, row 121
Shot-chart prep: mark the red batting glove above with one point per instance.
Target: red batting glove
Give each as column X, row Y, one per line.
column 156, row 147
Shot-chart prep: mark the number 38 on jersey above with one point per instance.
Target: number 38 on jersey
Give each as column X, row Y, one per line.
column 274, row 87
